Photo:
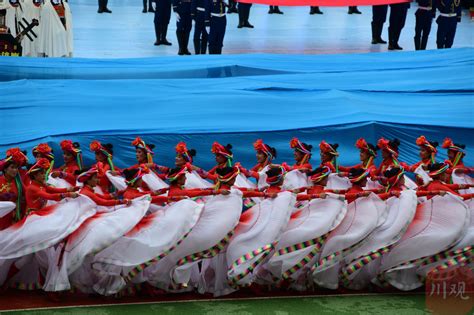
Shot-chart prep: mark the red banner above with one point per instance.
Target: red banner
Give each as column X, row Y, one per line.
column 323, row 3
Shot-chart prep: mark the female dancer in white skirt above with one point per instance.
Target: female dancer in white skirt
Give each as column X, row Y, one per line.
column 301, row 242
column 433, row 231
column 362, row 217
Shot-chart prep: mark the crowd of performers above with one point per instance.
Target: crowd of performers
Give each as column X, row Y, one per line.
column 52, row 38
column 105, row 230
column 210, row 22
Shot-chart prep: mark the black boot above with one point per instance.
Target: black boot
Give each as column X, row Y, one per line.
column 185, row 43
column 351, row 10
column 246, row 17
column 311, row 11
column 158, row 35
column 101, row 6
column 164, row 32
column 144, row 6
column 417, row 43
column 277, row 10
column 374, row 34
column 354, row 10
column 317, row 11
column 241, row 18
column 271, row 10
column 179, row 37
column 379, row 34
column 197, row 45
column 424, row 42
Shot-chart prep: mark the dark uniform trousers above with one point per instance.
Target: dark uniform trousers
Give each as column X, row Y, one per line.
column 162, row 18
column 379, row 16
column 398, row 16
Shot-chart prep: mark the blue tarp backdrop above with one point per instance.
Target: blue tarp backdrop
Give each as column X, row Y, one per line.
column 237, row 99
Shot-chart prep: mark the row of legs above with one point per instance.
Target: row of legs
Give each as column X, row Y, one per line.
column 398, row 12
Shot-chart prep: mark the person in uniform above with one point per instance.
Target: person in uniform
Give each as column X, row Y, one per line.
column 198, row 12
column 184, row 23
column 353, row 10
column 274, row 9
column 244, row 13
column 379, row 16
column 424, row 16
column 150, row 7
column 161, row 21
column 315, row 10
column 398, row 16
column 449, row 16
column 215, row 13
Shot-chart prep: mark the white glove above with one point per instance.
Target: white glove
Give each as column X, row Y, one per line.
column 178, row 18
column 208, row 29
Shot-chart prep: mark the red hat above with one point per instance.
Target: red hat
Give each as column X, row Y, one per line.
column 386, row 145
column 43, row 150
column 262, row 147
column 182, row 150
column 327, row 148
column 361, row 144
column 422, row 141
column 300, row 146
column 140, row 144
column 96, row 146
column 84, row 176
column 218, row 148
column 448, row 144
column 17, row 156
column 41, row 164
column 74, row 149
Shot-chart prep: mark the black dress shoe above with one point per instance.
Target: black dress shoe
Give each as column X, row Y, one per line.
column 356, row 11
column 277, row 11
column 397, row 47
column 187, row 52
column 106, row 10
column 165, row 42
column 317, row 11
column 144, row 11
column 271, row 11
column 381, row 41
column 391, row 47
column 100, row 11
column 247, row 24
column 240, row 26
column 374, row 41
column 157, row 43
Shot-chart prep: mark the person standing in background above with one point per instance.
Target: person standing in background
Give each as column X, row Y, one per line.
column 161, row 21
column 379, row 16
column 244, row 13
column 424, row 17
column 398, row 16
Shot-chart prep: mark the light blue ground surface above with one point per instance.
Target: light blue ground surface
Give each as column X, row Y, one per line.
column 129, row 33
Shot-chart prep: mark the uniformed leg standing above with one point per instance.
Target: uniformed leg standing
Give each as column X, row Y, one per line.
column 182, row 9
column 424, row 17
column 244, row 13
column 200, row 33
column 398, row 16
column 449, row 16
column 218, row 24
column 379, row 16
